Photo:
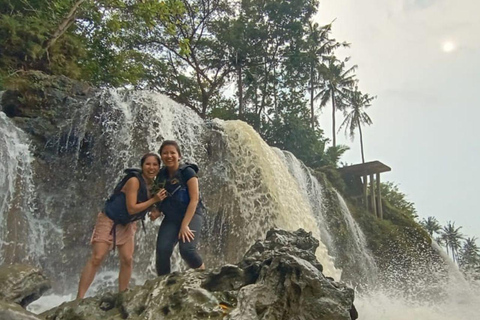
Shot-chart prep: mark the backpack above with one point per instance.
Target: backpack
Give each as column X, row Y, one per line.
column 116, row 205
column 180, row 194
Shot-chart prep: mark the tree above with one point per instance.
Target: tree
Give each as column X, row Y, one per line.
column 319, row 48
column 92, row 40
column 431, row 225
column 451, row 237
column 28, row 30
column 337, row 83
column 469, row 258
column 266, row 44
column 357, row 117
column 202, row 64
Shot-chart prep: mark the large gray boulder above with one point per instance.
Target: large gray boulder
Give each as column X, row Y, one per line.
column 22, row 284
column 279, row 278
column 12, row 311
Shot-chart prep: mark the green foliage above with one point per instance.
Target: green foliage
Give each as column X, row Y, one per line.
column 289, row 130
column 402, row 249
column 25, row 27
column 192, row 51
column 397, row 199
column 96, row 41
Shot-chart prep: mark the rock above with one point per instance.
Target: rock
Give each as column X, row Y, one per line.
column 22, row 284
column 290, row 284
column 279, row 278
column 12, row 311
column 40, row 104
column 299, row 243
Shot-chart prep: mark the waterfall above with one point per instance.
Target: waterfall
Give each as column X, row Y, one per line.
column 52, row 189
column 269, row 195
column 20, row 229
column 363, row 257
column 315, row 195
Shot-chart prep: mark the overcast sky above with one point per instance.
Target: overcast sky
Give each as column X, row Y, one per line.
column 421, row 58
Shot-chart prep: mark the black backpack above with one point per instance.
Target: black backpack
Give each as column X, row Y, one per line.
column 116, row 205
column 180, row 194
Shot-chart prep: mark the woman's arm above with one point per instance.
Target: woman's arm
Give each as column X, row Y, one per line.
column 185, row 233
column 131, row 190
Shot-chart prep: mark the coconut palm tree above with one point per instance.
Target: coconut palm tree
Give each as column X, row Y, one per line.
column 431, row 225
column 470, row 254
column 452, row 238
column 319, row 48
column 337, row 83
column 357, row 117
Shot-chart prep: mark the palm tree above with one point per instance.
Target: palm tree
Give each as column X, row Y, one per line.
column 337, row 82
column 469, row 254
column 357, row 117
column 431, row 225
column 319, row 49
column 451, row 237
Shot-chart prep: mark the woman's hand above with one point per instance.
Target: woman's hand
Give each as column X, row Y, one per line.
column 186, row 234
column 161, row 195
column 155, row 214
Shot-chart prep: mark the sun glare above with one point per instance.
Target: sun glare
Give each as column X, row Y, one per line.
column 448, row 46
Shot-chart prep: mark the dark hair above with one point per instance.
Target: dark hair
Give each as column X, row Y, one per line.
column 149, row 154
column 170, row 143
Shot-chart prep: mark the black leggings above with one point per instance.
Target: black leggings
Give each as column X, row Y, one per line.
column 167, row 239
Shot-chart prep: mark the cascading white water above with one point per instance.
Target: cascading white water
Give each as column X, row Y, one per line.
column 314, row 195
column 458, row 300
column 362, row 254
column 20, row 230
column 143, row 118
column 312, row 192
column 268, row 193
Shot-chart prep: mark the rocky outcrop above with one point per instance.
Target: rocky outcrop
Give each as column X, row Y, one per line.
column 19, row 286
column 22, row 284
column 41, row 104
column 12, row 311
column 279, row 278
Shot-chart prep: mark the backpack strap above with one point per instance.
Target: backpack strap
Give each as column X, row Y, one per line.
column 183, row 167
column 184, row 184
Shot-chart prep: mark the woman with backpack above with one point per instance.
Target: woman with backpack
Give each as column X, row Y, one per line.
column 116, row 226
column 182, row 210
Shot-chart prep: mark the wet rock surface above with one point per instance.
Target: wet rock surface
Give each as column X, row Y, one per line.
column 12, row 311
column 279, row 278
column 19, row 286
column 22, row 284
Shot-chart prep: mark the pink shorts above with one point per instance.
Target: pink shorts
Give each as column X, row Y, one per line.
column 103, row 227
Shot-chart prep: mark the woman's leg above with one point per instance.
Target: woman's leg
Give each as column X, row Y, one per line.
column 125, row 252
column 188, row 250
column 166, row 240
column 99, row 251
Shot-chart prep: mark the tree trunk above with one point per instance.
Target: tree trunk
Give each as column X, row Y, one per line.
column 64, row 25
column 312, row 111
column 361, row 140
column 334, row 138
column 275, row 103
column 240, row 90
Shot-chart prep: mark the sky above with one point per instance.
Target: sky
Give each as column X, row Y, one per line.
column 421, row 58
